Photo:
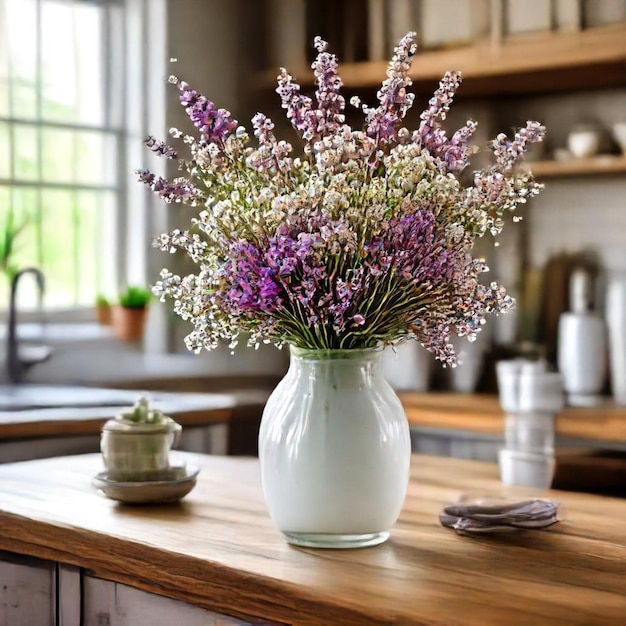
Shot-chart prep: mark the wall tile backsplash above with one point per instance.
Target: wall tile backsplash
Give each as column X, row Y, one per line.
column 578, row 214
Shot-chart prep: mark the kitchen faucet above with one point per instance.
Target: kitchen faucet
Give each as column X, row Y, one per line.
column 20, row 359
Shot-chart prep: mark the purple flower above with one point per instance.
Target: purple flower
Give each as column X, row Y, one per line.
column 364, row 241
column 509, row 152
column 452, row 153
column 270, row 155
column 214, row 124
column 160, row 148
column 298, row 107
column 394, row 99
column 330, row 102
column 358, row 320
column 179, row 190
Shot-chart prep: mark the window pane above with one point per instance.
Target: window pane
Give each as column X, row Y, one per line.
column 96, row 262
column 72, row 62
column 58, row 155
column 25, row 152
column 24, row 204
column 89, row 70
column 58, row 62
column 90, row 158
column 20, row 21
column 77, row 232
column 5, row 151
column 77, row 251
column 106, row 243
column 4, row 62
column 58, row 229
column 21, row 203
column 79, row 157
column 5, row 196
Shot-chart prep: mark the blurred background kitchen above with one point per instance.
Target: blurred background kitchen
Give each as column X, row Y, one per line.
column 83, row 82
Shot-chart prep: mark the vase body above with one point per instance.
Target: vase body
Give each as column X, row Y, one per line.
column 334, row 450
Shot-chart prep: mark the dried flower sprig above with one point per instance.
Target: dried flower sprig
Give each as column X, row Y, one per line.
column 365, row 239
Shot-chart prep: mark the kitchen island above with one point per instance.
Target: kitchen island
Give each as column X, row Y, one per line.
column 216, row 558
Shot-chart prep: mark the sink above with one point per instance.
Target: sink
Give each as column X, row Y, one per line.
column 33, row 397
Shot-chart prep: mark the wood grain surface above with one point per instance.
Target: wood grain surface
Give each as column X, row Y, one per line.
column 481, row 413
column 219, row 549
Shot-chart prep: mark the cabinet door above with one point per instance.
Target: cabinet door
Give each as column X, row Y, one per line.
column 112, row 604
column 27, row 591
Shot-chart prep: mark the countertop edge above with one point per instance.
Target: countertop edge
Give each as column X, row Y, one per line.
column 228, row 587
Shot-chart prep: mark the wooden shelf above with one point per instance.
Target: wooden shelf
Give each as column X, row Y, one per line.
column 595, row 166
column 523, row 63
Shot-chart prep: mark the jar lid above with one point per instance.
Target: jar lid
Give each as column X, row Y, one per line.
column 121, row 425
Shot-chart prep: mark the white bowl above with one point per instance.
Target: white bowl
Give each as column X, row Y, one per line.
column 583, row 143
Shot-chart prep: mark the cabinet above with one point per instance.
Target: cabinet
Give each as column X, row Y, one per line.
column 27, row 591
column 36, row 592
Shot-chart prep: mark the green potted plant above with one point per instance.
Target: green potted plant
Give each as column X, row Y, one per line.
column 129, row 317
column 103, row 310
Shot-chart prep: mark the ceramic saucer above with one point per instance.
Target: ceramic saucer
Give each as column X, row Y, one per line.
column 178, row 483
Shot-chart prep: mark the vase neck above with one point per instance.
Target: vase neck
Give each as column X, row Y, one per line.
column 340, row 368
column 356, row 354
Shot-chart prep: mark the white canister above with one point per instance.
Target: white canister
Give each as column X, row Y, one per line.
column 526, row 469
column 526, row 386
column 408, row 366
column 616, row 323
column 582, row 354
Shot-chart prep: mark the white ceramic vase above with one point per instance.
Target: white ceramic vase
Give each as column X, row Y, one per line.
column 616, row 323
column 335, row 450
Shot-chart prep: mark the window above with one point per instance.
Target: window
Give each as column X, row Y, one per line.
column 62, row 165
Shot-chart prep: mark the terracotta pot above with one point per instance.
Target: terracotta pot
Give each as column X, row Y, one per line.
column 103, row 314
column 128, row 324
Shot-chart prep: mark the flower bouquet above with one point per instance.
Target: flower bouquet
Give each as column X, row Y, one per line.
column 361, row 239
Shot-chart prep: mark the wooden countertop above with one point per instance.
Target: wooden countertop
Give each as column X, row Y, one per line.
column 219, row 549
column 189, row 409
column 481, row 413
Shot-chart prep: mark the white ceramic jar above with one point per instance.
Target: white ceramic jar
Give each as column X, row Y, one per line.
column 138, row 452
